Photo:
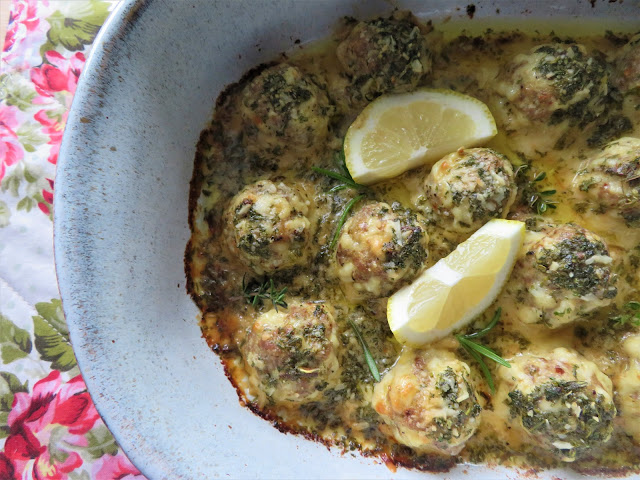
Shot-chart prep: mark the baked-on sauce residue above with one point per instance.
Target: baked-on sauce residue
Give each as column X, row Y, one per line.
column 281, row 301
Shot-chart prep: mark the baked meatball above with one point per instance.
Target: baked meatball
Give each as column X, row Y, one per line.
column 379, row 250
column 560, row 400
column 428, row 401
column 384, row 55
column 556, row 81
column 283, row 109
column 628, row 388
column 291, row 354
column 563, row 273
column 627, row 67
column 268, row 226
column 468, row 188
column 610, row 181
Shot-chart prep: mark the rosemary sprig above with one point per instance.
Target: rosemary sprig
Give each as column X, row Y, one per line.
column 343, row 218
column 631, row 315
column 367, row 353
column 478, row 351
column 540, row 201
column 346, row 182
column 256, row 295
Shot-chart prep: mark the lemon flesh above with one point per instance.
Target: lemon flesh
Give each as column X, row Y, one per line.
column 459, row 287
column 396, row 133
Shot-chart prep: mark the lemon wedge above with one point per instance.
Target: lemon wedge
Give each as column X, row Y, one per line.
column 459, row 287
column 396, row 133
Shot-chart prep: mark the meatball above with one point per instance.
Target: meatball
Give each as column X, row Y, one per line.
column 384, row 55
column 557, row 81
column 468, row 188
column 380, row 249
column 428, row 401
column 291, row 355
column 627, row 67
column 563, row 273
column 560, row 400
column 268, row 226
column 283, row 109
column 610, row 181
column 628, row 388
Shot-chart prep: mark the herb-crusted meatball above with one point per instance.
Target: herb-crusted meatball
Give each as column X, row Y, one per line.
column 291, row 354
column 384, row 55
column 379, row 250
column 428, row 401
column 561, row 400
column 628, row 388
column 268, row 226
column 627, row 67
column 562, row 274
column 557, row 81
column 610, row 181
column 468, row 188
column 283, row 109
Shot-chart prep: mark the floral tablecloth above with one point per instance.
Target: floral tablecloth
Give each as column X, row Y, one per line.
column 49, row 427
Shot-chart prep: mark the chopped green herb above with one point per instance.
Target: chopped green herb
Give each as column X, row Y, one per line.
column 630, row 315
column 477, row 351
column 367, row 353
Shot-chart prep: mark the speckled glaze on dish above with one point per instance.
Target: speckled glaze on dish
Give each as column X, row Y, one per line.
column 121, row 228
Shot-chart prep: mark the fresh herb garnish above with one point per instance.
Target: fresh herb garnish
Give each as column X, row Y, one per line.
column 367, row 353
column 631, row 315
column 539, row 201
column 477, row 351
column 346, row 182
column 343, row 218
column 256, row 294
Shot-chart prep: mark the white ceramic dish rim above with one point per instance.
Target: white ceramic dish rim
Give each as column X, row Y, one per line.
column 100, row 261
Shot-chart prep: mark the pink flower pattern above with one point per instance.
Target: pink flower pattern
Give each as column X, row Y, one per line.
column 11, row 151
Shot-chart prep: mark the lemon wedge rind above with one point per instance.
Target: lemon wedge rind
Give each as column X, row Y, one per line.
column 398, row 132
column 457, row 288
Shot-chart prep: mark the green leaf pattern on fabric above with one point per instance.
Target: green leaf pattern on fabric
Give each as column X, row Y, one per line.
column 15, row 343
column 52, row 336
column 76, row 28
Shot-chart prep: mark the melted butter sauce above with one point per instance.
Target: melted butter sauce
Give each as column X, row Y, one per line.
column 464, row 65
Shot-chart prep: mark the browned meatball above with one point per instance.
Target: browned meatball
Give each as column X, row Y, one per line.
column 283, row 109
column 384, row 55
column 428, row 401
column 556, row 81
column 609, row 183
column 560, row 400
column 291, row 353
column 268, row 227
column 562, row 274
column 379, row 250
column 468, row 188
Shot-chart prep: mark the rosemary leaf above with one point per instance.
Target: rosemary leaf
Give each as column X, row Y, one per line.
column 343, row 218
column 337, row 176
column 483, row 367
column 367, row 353
column 488, row 328
column 478, row 351
column 487, row 352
